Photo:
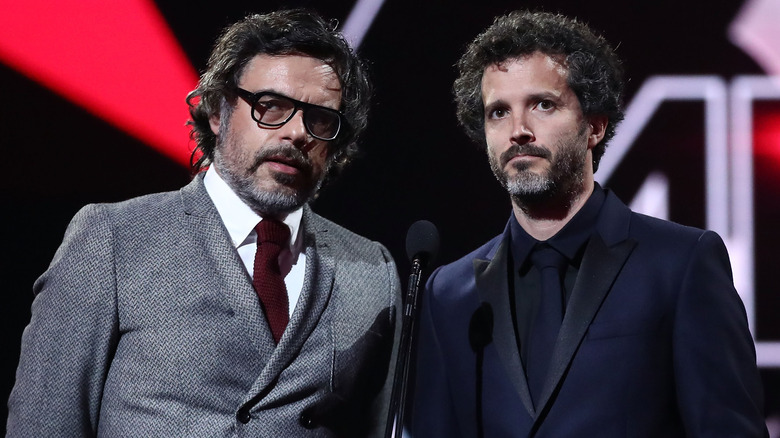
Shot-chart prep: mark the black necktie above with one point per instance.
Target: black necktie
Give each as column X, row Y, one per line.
column 544, row 330
column 272, row 237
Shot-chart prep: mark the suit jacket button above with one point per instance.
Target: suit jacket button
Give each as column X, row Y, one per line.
column 306, row 421
column 243, row 415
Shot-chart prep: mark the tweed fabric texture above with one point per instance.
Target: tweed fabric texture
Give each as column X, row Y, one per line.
column 272, row 237
column 146, row 324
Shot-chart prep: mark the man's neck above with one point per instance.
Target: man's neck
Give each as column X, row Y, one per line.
column 543, row 220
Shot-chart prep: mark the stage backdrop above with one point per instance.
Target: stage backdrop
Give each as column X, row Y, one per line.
column 93, row 111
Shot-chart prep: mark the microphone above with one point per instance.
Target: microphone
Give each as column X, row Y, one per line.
column 422, row 242
column 422, row 246
column 480, row 335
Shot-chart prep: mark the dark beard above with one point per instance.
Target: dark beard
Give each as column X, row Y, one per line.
column 564, row 177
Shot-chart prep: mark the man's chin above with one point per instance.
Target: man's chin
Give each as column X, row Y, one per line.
column 529, row 186
column 275, row 203
column 273, row 199
column 279, row 193
column 292, row 190
column 527, row 169
column 288, row 179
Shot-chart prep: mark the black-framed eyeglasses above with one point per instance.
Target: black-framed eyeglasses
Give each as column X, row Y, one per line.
column 272, row 109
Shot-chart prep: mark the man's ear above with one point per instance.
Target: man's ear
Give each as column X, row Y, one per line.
column 215, row 123
column 598, row 127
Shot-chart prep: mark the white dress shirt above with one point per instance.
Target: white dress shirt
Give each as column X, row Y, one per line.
column 240, row 221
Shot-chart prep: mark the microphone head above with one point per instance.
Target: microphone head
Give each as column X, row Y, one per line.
column 422, row 241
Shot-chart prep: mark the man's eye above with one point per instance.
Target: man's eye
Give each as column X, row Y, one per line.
column 497, row 113
column 545, row 105
column 269, row 105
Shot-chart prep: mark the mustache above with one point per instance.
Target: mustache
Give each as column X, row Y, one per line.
column 290, row 155
column 525, row 149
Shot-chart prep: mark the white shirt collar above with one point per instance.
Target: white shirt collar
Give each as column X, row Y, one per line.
column 239, row 219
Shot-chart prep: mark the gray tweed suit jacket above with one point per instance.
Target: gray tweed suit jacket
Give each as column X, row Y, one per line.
column 146, row 325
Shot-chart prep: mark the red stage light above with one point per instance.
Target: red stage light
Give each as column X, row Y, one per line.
column 119, row 60
column 766, row 135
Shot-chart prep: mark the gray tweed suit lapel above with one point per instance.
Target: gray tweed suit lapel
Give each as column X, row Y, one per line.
column 227, row 273
column 317, row 287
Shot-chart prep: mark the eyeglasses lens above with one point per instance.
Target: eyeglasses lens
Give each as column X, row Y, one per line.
column 322, row 123
column 276, row 110
column 273, row 110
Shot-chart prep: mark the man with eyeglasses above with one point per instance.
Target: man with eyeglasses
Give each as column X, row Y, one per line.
column 227, row 308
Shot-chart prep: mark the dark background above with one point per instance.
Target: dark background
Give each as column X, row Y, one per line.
column 417, row 164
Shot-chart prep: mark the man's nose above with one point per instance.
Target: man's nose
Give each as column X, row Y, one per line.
column 295, row 130
column 521, row 130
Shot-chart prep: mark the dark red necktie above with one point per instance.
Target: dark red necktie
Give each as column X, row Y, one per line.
column 272, row 237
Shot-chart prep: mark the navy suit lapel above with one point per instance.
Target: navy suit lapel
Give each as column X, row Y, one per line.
column 604, row 257
column 491, row 278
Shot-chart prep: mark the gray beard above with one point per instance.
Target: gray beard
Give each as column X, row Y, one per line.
column 564, row 177
column 527, row 185
column 238, row 173
column 277, row 203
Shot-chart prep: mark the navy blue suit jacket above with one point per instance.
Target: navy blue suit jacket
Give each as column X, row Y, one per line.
column 654, row 343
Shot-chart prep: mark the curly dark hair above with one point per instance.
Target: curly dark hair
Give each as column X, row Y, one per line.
column 595, row 72
column 285, row 32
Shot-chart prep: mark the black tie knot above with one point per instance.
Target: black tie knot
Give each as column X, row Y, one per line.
column 273, row 231
column 545, row 256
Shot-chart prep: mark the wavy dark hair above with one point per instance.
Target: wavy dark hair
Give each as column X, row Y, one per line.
column 286, row 32
column 595, row 72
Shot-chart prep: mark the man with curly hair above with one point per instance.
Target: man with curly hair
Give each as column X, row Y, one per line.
column 227, row 308
column 583, row 318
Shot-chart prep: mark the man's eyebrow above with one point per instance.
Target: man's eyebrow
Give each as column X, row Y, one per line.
column 533, row 97
column 544, row 95
column 495, row 102
column 267, row 90
column 498, row 103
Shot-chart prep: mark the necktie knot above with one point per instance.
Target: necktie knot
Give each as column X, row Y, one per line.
column 273, row 231
column 545, row 256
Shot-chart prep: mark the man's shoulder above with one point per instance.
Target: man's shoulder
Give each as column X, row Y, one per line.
column 465, row 264
column 651, row 227
column 143, row 205
column 152, row 208
column 618, row 221
column 150, row 200
column 344, row 239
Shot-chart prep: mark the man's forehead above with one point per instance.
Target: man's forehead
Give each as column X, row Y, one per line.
column 302, row 77
column 533, row 76
column 554, row 61
column 290, row 65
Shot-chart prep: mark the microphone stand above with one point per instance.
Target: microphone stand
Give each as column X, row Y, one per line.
column 395, row 416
